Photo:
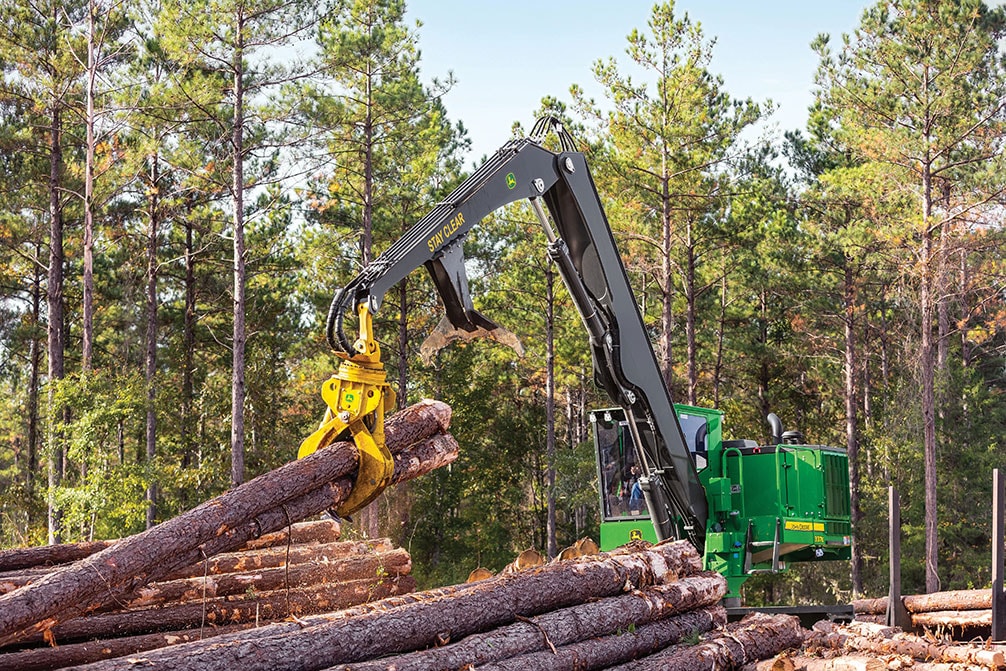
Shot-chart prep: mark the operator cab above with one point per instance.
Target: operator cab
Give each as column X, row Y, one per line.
column 617, row 467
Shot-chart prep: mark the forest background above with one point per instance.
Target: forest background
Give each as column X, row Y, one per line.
column 181, row 195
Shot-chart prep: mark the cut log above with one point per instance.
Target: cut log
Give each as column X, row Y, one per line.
column 373, row 568
column 913, row 646
column 963, row 599
column 953, row 618
column 603, row 652
column 44, row 659
column 846, row 663
column 876, row 606
column 227, row 610
column 470, row 609
column 317, row 531
column 243, row 560
column 561, row 627
column 267, row 503
column 757, row 636
column 48, row 555
column 271, row 557
column 476, row 575
column 781, row 662
column 529, row 558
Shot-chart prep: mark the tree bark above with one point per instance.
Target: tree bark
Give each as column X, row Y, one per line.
column 388, row 565
column 885, row 641
column 238, row 188
column 89, row 121
column 964, row 599
column 317, row 531
column 846, row 663
column 253, row 560
column 551, row 545
column 35, row 359
column 254, row 607
column 476, row 607
column 48, row 658
column 560, row 627
column 321, row 532
column 269, row 502
column 188, row 348
column 617, row 648
column 757, row 636
column 953, row 618
column 54, row 298
column 22, row 558
column 150, row 356
column 851, row 422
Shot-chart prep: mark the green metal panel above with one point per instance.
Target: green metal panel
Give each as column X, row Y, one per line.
column 793, row 495
column 617, row 534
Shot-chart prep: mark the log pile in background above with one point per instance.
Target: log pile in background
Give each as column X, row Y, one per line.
column 590, row 612
column 958, row 609
column 863, row 646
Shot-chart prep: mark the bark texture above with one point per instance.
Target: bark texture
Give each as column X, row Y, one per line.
column 372, row 568
column 964, row 599
column 601, row 653
column 252, row 607
column 757, row 636
column 44, row 659
column 474, row 608
column 268, row 503
column 560, row 627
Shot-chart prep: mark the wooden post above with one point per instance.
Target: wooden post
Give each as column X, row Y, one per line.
column 897, row 614
column 998, row 526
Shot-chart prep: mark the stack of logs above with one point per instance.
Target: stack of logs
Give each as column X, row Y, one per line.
column 166, row 570
column 958, row 609
column 299, row 571
column 637, row 608
column 864, row 646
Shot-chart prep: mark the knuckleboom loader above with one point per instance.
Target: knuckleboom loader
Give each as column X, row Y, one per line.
column 748, row 508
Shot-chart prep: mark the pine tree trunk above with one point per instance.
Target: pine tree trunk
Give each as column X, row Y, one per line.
column 666, row 284
column 89, row 121
column 250, row 607
column 691, row 298
column 35, row 360
column 48, row 658
column 560, row 627
column 54, row 297
column 551, row 545
column 478, row 607
column 927, row 366
column 188, row 428
column 270, row 502
column 851, row 428
column 385, row 566
column 238, row 344
column 617, row 648
column 150, row 363
column 757, row 636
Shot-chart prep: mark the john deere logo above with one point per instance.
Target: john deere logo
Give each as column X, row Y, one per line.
column 635, row 535
column 511, row 181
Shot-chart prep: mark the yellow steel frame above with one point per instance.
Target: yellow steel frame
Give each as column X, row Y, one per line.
column 358, row 395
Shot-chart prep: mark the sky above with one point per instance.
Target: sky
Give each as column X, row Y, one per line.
column 507, row 55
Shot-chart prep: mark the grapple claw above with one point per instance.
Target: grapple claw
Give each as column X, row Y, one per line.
column 358, row 394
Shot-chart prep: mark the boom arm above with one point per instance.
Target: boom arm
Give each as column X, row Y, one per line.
column 587, row 258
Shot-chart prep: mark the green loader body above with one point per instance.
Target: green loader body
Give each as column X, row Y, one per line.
column 769, row 505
